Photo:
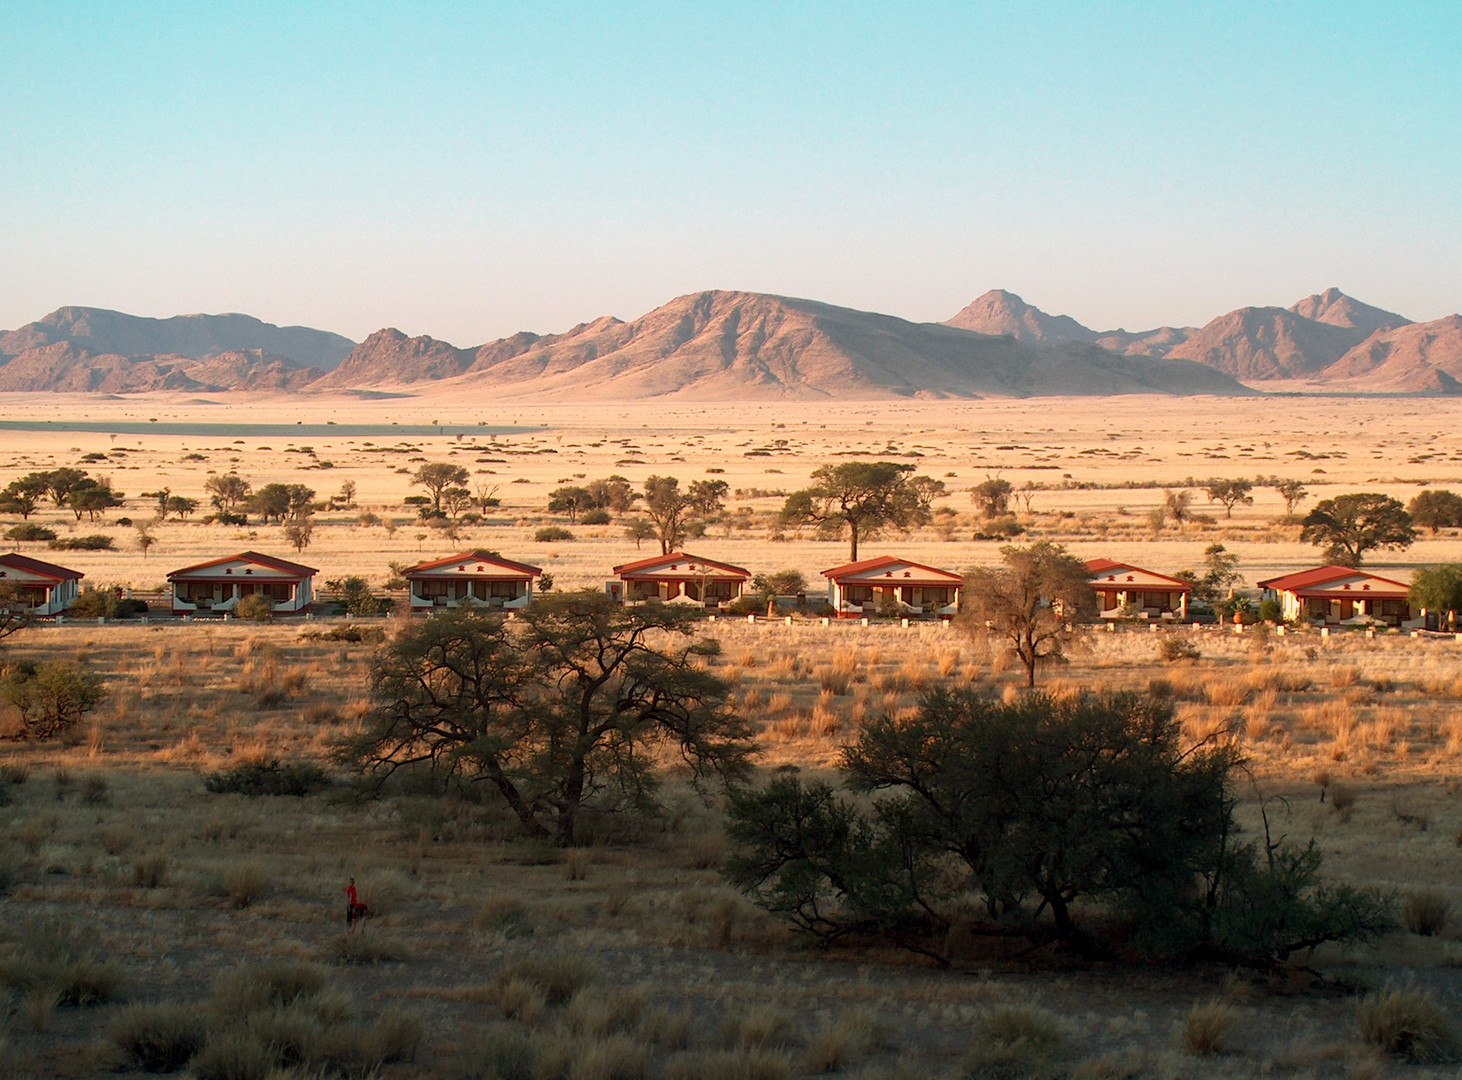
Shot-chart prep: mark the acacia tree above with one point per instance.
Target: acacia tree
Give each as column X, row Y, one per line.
column 1436, row 510
column 92, row 497
column 1293, row 493
column 1229, row 492
column 1030, row 604
column 15, row 612
column 562, row 711
column 863, row 497
column 569, row 500
column 50, row 697
column 1438, row 589
column 21, row 495
column 1032, row 806
column 992, row 496
column 436, row 477
column 1177, row 503
column 228, row 493
column 1348, row 526
column 676, row 513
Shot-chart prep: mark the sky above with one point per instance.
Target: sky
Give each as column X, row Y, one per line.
column 470, row 170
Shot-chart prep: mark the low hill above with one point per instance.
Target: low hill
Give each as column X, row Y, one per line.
column 1415, row 358
column 192, row 337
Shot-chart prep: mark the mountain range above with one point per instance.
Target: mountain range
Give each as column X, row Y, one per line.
column 719, row 345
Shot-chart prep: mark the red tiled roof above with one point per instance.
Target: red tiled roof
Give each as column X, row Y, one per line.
column 642, row 567
column 17, row 561
column 284, row 566
column 1323, row 575
column 1096, row 567
column 475, row 556
column 881, row 562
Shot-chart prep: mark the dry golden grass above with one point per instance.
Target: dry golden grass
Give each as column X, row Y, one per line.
column 174, row 883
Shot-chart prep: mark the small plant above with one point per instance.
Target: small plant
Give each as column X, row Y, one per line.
column 150, row 871
column 1343, row 799
column 269, row 778
column 1172, row 649
column 1426, row 912
column 1209, row 1028
column 1013, row 1041
column 551, row 533
column 158, row 1038
column 360, row 948
column 1409, row 1023
column 558, row 976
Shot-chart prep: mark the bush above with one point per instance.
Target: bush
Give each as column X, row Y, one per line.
column 29, row 532
column 95, row 542
column 557, row 976
column 1048, row 804
column 105, row 604
column 550, row 533
column 1271, row 611
column 50, row 697
column 1426, row 912
column 596, row 517
column 1013, row 1042
column 1000, row 528
column 158, row 1038
column 254, row 608
column 1209, row 1028
column 57, row 963
column 1409, row 1023
column 361, row 948
column 1172, row 649
column 270, row 778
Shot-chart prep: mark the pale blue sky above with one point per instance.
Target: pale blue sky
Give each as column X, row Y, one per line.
column 469, row 170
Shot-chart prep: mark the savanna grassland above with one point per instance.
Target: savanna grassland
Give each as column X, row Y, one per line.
column 128, row 882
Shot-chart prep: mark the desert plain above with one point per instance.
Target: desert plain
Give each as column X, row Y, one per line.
column 113, row 844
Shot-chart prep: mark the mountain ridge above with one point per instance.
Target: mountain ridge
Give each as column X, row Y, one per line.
column 727, row 344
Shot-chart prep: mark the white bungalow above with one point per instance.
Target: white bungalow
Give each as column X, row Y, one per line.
column 473, row 578
column 860, row 588
column 220, row 584
column 1122, row 589
column 679, row 578
column 1340, row 595
column 42, row 588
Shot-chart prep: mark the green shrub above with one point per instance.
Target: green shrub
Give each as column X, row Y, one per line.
column 596, row 517
column 254, row 608
column 270, row 778
column 50, row 697
column 1172, row 649
column 105, row 604
column 29, row 531
column 1271, row 611
column 95, row 542
column 550, row 533
column 158, row 1038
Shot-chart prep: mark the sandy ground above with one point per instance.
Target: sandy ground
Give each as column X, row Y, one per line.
column 1092, row 460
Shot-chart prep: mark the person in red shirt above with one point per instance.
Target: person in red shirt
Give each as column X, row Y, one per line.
column 354, row 909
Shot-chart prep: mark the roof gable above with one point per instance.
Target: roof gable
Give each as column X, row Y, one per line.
column 269, row 562
column 887, row 567
column 679, row 564
column 50, row 571
column 1111, row 572
column 478, row 560
column 1329, row 577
